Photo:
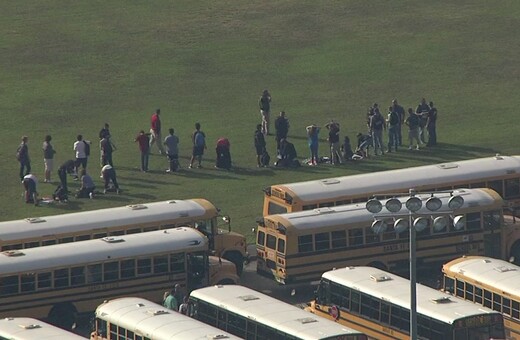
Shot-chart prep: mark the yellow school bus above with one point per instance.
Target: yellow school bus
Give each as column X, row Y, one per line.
column 489, row 282
column 500, row 173
column 299, row 247
column 131, row 219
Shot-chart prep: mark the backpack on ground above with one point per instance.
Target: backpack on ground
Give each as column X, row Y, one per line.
column 199, row 139
column 87, row 148
column 394, row 118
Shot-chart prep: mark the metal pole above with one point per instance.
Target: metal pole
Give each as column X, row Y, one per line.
column 413, row 279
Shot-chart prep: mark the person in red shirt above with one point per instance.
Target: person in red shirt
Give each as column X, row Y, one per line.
column 144, row 146
column 155, row 131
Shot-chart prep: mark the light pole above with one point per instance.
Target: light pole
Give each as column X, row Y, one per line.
column 413, row 205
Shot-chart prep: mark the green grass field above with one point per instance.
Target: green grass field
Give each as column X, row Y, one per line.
column 68, row 67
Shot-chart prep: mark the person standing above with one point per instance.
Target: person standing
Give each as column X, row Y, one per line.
column 335, row 152
column 170, row 301
column 265, row 110
column 401, row 113
column 422, row 112
column 48, row 158
column 107, row 148
column 82, row 150
column 109, row 175
column 66, row 168
column 104, row 132
column 144, row 146
column 394, row 124
column 198, row 139
column 172, row 150
column 312, row 139
column 281, row 125
column 377, row 125
column 259, row 145
column 413, row 129
column 431, row 125
column 22, row 155
column 155, row 131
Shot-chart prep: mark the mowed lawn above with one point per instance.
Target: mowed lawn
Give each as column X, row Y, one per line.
column 68, row 67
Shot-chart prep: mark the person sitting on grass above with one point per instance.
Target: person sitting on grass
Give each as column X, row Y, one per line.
column 87, row 186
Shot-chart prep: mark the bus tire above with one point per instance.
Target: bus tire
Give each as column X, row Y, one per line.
column 515, row 252
column 237, row 260
column 63, row 315
column 378, row 265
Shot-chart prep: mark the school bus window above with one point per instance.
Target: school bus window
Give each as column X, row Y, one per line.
column 113, row 331
column 460, row 289
column 222, row 320
column 512, row 188
column 127, row 269
column 385, row 312
column 359, row 200
column 147, row 229
column 94, row 273
column 9, row 285
column 48, row 242
column 322, row 241
column 44, row 280
column 177, row 263
column 506, row 306
column 305, row 243
column 326, row 204
column 111, row 271
column 160, row 264
column 144, row 266
column 448, row 188
column 309, row 207
column 61, row 278
column 497, row 186
column 343, row 202
column 129, row 334
column 82, row 238
column 66, row 239
column 487, row 298
column 274, row 209
column 28, row 282
column 281, row 246
column 77, row 276
column 100, row 235
column 390, row 234
column 260, row 240
column 478, row 185
column 371, row 236
column 116, row 233
column 33, row 244
column 355, row 237
column 469, row 292
column 236, row 325
column 478, row 295
column 339, row 239
column 271, row 242
column 516, row 309
column 497, row 302
column 12, row 246
column 355, row 302
column 167, row 226
column 473, row 221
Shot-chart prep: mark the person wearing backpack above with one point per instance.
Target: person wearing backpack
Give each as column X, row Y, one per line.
column 377, row 125
column 413, row 129
column 199, row 144
column 393, row 123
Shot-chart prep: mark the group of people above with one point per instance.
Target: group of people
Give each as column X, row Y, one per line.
column 421, row 124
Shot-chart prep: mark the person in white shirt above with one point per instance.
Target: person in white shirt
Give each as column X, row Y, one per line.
column 82, row 150
column 29, row 182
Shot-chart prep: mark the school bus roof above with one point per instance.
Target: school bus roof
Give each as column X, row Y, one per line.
column 357, row 212
column 156, row 322
column 98, row 250
column 104, row 218
column 414, row 177
column 496, row 274
column 396, row 290
column 30, row 329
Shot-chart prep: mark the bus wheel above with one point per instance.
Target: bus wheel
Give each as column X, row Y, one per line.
column 515, row 253
column 378, row 265
column 237, row 259
column 63, row 315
